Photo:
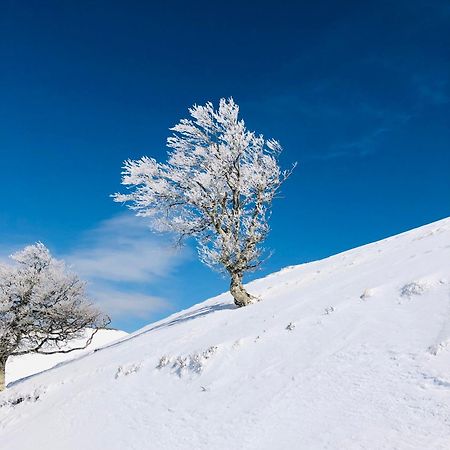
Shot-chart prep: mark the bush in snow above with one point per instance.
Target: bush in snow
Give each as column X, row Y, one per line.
column 193, row 363
column 20, row 398
column 42, row 307
column 217, row 186
column 164, row 360
column 414, row 288
column 124, row 371
column 437, row 348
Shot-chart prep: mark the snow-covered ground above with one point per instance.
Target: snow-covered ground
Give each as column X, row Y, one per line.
column 351, row 352
column 23, row 366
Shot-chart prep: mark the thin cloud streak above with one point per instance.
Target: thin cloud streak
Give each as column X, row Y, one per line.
column 122, row 249
column 128, row 305
column 123, row 262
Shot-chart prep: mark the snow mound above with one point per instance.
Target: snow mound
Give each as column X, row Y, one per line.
column 414, row 288
column 191, row 363
column 350, row 352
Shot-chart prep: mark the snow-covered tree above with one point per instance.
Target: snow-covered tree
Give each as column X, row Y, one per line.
column 42, row 307
column 217, row 185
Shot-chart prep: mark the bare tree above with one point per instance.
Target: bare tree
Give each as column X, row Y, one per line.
column 217, row 186
column 42, row 307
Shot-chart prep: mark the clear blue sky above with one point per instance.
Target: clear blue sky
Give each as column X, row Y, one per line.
column 357, row 92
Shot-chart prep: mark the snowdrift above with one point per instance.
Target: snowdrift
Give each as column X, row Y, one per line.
column 350, row 352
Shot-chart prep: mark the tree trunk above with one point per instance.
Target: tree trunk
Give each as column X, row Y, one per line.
column 240, row 295
column 2, row 374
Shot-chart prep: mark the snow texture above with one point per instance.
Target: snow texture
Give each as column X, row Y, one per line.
column 372, row 374
column 26, row 365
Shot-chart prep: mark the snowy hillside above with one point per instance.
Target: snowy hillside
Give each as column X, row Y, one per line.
column 23, row 366
column 351, row 352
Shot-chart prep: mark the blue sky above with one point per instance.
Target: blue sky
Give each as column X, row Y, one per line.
column 357, row 92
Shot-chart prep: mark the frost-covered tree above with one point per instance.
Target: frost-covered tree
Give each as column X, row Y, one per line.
column 42, row 307
column 217, row 185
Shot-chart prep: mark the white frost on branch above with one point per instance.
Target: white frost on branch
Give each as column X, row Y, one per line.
column 42, row 305
column 217, row 185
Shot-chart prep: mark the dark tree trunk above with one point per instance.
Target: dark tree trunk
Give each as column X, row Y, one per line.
column 240, row 295
column 2, row 373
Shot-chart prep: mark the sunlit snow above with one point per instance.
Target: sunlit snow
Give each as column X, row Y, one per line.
column 350, row 352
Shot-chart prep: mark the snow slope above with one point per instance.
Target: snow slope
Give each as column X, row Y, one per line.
column 23, row 366
column 350, row 352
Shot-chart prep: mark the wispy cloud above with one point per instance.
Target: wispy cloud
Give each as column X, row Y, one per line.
column 124, row 263
column 335, row 128
column 348, row 96
column 122, row 249
column 122, row 304
column 362, row 146
column 434, row 90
